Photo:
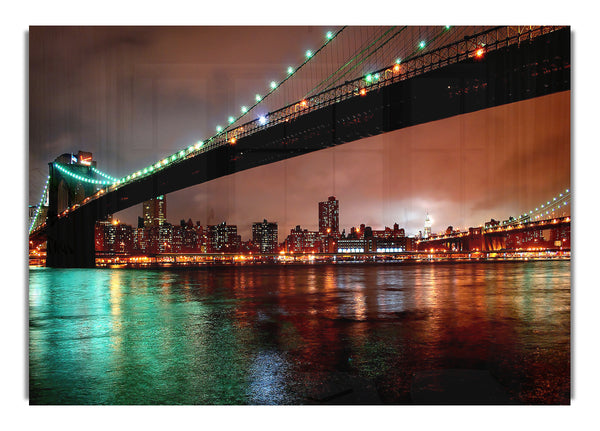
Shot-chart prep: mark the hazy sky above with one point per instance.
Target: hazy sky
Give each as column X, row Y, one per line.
column 133, row 95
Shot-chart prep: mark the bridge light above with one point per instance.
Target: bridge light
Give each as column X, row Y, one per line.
column 262, row 120
column 329, row 35
column 479, row 53
column 199, row 144
column 363, row 92
column 376, row 76
column 397, row 68
column 257, row 97
column 290, row 70
column 231, row 120
column 219, row 129
column 181, row 153
column 244, row 109
column 447, row 27
column 273, row 85
column 567, row 191
column 369, row 78
column 233, row 140
column 309, row 53
column 422, row 44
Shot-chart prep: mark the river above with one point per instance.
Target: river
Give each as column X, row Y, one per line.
column 308, row 334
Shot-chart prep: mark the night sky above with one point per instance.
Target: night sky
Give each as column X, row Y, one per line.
column 134, row 95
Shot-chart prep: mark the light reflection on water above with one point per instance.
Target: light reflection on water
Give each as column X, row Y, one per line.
column 264, row 335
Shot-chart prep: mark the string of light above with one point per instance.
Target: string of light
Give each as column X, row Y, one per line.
column 42, row 201
column 114, row 180
column 245, row 110
column 550, row 206
column 80, row 177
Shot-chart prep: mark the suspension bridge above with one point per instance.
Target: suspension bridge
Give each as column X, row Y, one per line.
column 359, row 83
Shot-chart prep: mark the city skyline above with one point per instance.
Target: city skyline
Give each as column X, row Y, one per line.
column 131, row 106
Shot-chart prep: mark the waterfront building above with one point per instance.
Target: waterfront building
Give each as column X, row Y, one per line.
column 223, row 238
column 264, row 235
column 155, row 211
column 114, row 237
column 302, row 241
column 329, row 217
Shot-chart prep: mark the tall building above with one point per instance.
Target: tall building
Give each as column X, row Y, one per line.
column 329, row 217
column 264, row 235
column 155, row 211
column 427, row 229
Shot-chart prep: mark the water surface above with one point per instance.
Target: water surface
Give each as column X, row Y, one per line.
column 295, row 334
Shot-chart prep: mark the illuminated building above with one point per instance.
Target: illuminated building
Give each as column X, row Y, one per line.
column 141, row 240
column 112, row 236
column 164, row 241
column 155, row 211
column 302, row 241
column 329, row 217
column 223, row 238
column 427, row 228
column 264, row 235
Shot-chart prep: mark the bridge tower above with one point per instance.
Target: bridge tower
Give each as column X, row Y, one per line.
column 65, row 190
column 70, row 242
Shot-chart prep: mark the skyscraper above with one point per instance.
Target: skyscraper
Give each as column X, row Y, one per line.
column 155, row 211
column 329, row 217
column 427, row 229
column 264, row 235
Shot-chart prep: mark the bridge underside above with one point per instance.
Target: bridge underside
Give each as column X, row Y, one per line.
column 519, row 72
